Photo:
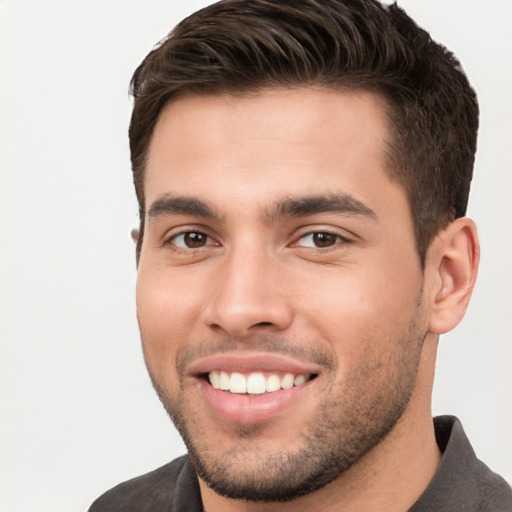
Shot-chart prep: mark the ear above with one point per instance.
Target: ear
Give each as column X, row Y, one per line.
column 452, row 264
column 135, row 235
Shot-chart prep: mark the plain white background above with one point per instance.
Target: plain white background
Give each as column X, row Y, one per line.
column 78, row 414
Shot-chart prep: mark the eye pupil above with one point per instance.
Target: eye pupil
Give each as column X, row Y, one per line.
column 324, row 239
column 194, row 240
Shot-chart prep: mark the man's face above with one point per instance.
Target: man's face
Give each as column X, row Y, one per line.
column 278, row 264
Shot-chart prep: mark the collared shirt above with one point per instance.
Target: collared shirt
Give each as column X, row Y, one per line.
column 461, row 483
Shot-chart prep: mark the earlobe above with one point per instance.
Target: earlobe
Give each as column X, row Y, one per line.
column 453, row 262
column 135, row 235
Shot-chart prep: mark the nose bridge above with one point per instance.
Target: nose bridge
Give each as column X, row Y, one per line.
column 248, row 295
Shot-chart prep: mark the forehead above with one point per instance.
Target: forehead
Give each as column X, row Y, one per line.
column 262, row 146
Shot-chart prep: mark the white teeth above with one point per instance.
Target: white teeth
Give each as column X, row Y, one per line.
column 300, row 379
column 287, row 381
column 273, row 383
column 238, row 383
column 224, row 381
column 255, row 383
column 215, row 379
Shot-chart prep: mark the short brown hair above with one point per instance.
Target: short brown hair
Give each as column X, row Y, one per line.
column 242, row 46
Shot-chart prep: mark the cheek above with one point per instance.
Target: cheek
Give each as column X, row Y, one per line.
column 362, row 305
column 166, row 313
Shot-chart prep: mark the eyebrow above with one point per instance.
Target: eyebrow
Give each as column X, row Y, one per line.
column 342, row 203
column 176, row 205
column 302, row 206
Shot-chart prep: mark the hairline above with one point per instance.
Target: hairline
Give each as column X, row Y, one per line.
column 391, row 152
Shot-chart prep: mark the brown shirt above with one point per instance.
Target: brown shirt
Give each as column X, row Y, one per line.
column 462, row 483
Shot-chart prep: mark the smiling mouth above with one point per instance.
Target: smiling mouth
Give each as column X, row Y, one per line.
column 255, row 383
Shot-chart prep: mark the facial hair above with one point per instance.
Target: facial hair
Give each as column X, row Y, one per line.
column 353, row 417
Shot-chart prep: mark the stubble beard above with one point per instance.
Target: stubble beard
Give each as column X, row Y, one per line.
column 346, row 426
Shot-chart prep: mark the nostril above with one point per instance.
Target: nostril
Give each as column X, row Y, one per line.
column 263, row 324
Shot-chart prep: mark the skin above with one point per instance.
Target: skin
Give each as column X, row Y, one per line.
column 360, row 310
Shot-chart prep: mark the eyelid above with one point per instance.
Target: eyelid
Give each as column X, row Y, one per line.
column 184, row 230
column 342, row 238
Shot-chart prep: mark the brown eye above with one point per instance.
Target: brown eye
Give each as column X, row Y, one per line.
column 324, row 239
column 320, row 240
column 190, row 240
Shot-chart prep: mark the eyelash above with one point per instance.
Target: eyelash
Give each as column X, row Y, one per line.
column 338, row 239
column 172, row 240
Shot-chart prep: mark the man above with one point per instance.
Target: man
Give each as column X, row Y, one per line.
column 302, row 170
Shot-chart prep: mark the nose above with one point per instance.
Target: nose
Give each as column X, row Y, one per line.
column 250, row 297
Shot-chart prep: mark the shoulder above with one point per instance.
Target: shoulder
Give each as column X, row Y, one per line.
column 150, row 492
column 462, row 481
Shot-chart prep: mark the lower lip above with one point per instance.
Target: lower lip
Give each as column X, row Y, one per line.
column 252, row 408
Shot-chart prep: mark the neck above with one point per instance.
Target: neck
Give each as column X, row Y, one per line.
column 391, row 476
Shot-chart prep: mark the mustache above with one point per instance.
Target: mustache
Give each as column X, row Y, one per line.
column 264, row 344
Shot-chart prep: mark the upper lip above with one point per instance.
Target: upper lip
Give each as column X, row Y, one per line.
column 252, row 362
